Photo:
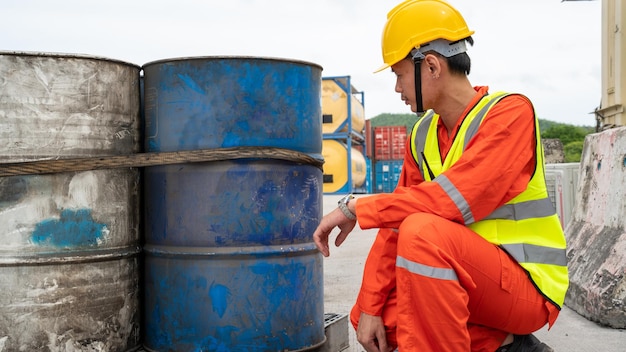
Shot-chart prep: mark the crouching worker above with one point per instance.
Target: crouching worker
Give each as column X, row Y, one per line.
column 470, row 255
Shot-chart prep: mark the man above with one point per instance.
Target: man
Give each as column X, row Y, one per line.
column 470, row 254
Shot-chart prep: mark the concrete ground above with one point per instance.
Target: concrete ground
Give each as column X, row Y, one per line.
column 342, row 279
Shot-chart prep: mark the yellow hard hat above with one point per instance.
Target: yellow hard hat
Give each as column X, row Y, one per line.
column 414, row 23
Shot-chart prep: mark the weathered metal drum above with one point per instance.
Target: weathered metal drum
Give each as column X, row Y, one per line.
column 229, row 261
column 69, row 241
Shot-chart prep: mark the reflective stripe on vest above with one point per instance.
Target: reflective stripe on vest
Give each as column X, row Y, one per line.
column 524, row 210
column 529, row 217
column 420, row 134
column 528, row 253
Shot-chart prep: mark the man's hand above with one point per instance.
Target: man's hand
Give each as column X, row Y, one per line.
column 371, row 333
column 333, row 219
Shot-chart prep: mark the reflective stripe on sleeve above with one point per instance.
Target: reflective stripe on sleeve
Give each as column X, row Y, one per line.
column 425, row 270
column 456, row 197
column 530, row 253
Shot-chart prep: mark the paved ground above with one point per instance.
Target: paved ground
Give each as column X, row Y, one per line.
column 342, row 279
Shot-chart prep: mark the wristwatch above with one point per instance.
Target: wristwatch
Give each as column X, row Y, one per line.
column 343, row 206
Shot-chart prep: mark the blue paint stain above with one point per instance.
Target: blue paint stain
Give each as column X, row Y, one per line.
column 200, row 283
column 211, row 344
column 191, row 83
column 282, row 285
column 225, row 333
column 73, row 228
column 219, row 298
column 153, row 144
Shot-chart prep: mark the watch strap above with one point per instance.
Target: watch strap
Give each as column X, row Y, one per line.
column 343, row 206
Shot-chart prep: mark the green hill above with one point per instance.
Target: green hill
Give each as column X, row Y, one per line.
column 409, row 120
column 571, row 136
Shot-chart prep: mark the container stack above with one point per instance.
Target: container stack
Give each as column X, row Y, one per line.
column 343, row 121
column 389, row 146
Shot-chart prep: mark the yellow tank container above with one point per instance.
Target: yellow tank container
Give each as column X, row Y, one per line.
column 335, row 108
column 335, row 155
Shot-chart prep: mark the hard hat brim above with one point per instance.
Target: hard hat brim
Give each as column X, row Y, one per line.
column 381, row 68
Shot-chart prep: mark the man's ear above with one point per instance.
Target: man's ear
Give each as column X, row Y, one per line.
column 432, row 64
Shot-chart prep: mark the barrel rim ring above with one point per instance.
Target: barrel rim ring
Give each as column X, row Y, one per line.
column 67, row 56
column 230, row 57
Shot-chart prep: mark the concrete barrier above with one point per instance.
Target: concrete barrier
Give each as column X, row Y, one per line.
column 553, row 150
column 596, row 233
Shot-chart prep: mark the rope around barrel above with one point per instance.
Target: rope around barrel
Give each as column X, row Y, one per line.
column 154, row 159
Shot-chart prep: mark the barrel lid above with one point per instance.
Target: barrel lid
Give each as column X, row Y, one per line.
column 65, row 55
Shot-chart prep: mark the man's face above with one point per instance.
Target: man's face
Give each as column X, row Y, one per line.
column 405, row 82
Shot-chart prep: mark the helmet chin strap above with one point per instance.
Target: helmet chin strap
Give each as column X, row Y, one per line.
column 418, row 86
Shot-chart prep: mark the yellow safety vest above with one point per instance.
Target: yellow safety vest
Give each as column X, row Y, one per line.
column 526, row 227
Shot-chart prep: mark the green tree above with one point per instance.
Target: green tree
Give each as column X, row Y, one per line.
column 572, row 137
column 566, row 133
column 573, row 151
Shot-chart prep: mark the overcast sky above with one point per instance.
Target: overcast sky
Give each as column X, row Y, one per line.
column 547, row 49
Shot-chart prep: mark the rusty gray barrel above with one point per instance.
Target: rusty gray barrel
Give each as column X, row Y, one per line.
column 70, row 241
column 229, row 259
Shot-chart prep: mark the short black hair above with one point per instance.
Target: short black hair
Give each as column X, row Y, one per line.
column 461, row 63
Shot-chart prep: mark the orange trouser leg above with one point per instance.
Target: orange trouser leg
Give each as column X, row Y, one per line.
column 389, row 315
column 457, row 292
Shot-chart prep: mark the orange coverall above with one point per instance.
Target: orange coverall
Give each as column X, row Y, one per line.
column 493, row 295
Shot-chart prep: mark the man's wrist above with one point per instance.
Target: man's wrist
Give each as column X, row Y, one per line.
column 343, row 206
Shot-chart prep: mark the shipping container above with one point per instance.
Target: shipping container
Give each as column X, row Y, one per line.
column 389, row 142
column 387, row 175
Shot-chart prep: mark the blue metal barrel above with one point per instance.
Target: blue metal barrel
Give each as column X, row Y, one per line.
column 229, row 262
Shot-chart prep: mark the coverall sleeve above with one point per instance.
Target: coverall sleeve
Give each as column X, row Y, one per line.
column 495, row 167
column 380, row 267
